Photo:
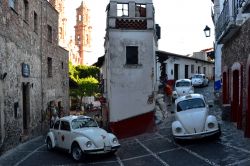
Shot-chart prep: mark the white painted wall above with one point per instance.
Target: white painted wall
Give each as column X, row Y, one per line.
column 129, row 86
column 184, row 61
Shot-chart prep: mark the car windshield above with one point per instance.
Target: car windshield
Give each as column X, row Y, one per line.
column 83, row 122
column 190, row 104
column 197, row 76
column 183, row 83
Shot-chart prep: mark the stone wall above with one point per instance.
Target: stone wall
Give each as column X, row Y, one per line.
column 19, row 44
column 238, row 50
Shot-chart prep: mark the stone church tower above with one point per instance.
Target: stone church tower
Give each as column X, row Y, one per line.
column 82, row 30
column 59, row 6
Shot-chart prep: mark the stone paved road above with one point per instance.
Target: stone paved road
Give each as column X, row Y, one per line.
column 150, row 149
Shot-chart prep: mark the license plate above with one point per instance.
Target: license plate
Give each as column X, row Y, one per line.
column 107, row 148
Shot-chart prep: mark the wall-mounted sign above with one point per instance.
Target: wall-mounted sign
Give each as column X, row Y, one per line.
column 25, row 70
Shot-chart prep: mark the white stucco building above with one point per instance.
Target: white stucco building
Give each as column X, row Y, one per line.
column 180, row 66
column 129, row 66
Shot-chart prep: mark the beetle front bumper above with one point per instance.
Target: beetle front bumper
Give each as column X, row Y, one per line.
column 102, row 150
column 197, row 135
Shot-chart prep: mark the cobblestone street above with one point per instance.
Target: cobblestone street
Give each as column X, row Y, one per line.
column 157, row 148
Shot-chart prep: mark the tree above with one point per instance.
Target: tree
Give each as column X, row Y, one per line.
column 83, row 81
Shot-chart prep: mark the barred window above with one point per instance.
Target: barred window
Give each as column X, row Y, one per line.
column 122, row 10
column 49, row 33
column 35, row 22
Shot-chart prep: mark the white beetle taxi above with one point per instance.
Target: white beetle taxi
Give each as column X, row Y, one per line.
column 192, row 120
column 182, row 87
column 80, row 135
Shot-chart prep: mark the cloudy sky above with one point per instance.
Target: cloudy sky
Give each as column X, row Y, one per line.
column 182, row 23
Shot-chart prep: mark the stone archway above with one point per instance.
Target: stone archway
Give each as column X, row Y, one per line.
column 236, row 111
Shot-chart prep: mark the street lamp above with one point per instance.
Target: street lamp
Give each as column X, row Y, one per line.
column 207, row 31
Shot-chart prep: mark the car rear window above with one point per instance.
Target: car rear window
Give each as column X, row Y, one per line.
column 190, row 104
column 183, row 83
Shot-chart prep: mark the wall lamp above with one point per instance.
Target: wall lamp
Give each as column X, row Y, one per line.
column 2, row 76
column 207, row 31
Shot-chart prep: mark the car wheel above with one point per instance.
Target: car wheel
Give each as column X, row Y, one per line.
column 49, row 144
column 217, row 135
column 76, row 152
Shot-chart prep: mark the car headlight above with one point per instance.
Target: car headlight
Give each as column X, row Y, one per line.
column 178, row 129
column 210, row 125
column 88, row 144
column 115, row 140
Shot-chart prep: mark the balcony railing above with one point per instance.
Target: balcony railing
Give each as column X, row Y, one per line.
column 131, row 23
column 226, row 23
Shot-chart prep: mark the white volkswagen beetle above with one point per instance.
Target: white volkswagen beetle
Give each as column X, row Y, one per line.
column 199, row 80
column 182, row 87
column 80, row 135
column 192, row 120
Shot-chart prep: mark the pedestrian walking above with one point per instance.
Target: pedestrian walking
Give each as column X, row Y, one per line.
column 168, row 91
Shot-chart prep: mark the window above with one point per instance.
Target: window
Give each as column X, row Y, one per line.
column 140, row 10
column 35, row 22
column 49, row 33
column 26, row 10
column 65, row 126
column 79, row 17
column 49, row 62
column 122, row 10
column 62, row 65
column 192, row 68
column 131, row 55
column 12, row 4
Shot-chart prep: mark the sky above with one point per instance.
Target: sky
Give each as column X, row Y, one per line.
column 181, row 21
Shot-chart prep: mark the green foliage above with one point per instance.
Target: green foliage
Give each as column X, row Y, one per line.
column 85, row 78
column 87, row 71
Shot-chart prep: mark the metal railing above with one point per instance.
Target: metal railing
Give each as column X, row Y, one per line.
column 227, row 16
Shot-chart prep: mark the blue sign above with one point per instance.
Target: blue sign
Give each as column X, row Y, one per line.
column 25, row 70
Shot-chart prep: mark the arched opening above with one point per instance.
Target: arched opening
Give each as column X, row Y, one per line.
column 235, row 101
column 236, row 104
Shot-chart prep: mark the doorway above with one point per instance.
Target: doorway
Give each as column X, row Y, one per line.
column 26, row 106
column 176, row 71
column 186, row 71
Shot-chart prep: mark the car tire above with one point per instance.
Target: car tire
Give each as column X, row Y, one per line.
column 49, row 144
column 217, row 135
column 76, row 152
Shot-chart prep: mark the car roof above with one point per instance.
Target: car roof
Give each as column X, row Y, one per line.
column 72, row 117
column 189, row 96
column 180, row 80
column 199, row 74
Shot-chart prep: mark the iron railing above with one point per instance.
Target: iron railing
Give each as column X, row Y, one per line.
column 228, row 16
